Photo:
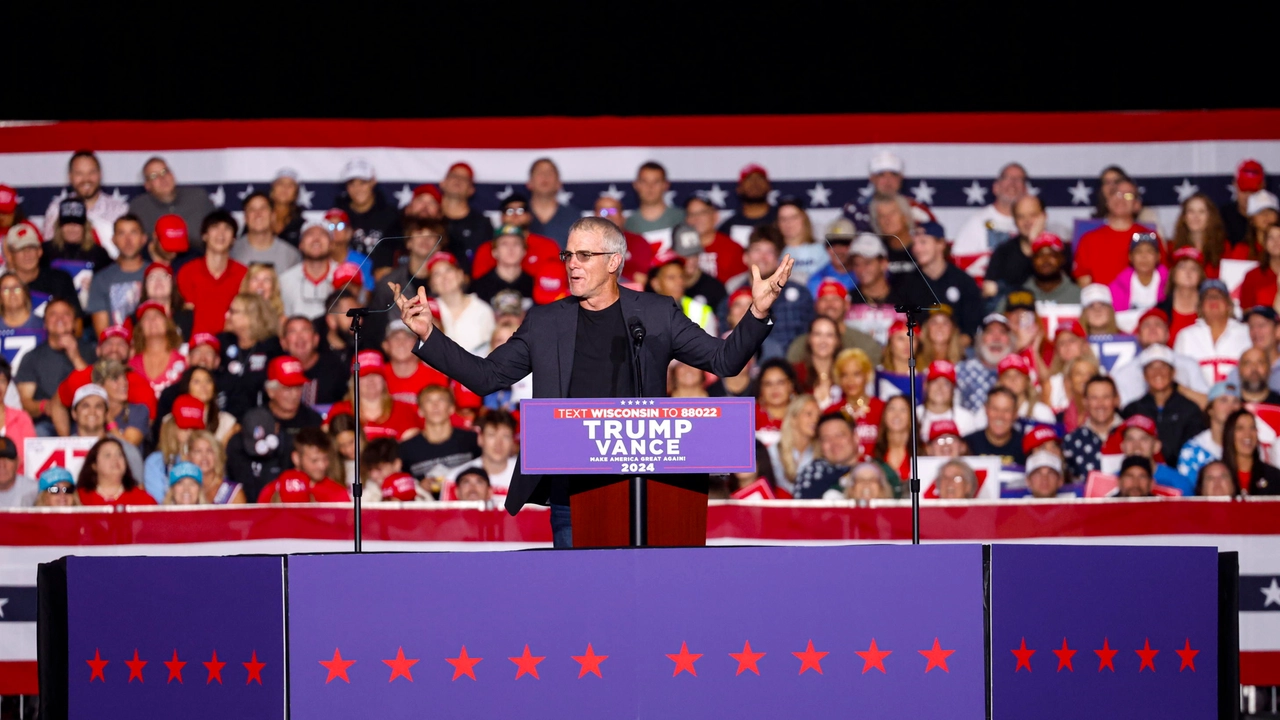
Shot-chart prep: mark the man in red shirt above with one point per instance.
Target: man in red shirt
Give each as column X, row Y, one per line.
column 210, row 282
column 114, row 343
column 1102, row 253
column 406, row 374
column 312, row 450
column 721, row 257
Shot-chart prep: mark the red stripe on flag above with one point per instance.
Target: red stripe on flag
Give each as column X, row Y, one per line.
column 1259, row 668
column 680, row 131
column 988, row 521
column 18, row 677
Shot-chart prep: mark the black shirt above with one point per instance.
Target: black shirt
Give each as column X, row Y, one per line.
column 1008, row 267
column 304, row 418
column 1176, row 423
column 707, row 289
column 423, row 459
column 327, row 379
column 491, row 284
column 1011, row 451
column 954, row 287
column 466, row 235
column 369, row 227
column 1234, row 222
column 244, row 371
column 601, row 356
column 56, row 284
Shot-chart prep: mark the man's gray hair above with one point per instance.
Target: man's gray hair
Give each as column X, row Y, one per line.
column 962, row 469
column 611, row 237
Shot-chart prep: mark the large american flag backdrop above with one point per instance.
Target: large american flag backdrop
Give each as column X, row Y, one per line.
column 950, row 159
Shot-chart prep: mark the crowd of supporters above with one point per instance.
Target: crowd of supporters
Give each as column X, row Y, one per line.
column 206, row 357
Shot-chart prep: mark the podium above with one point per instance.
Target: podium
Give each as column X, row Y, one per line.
column 638, row 467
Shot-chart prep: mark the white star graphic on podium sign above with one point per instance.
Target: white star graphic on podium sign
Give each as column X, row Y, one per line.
column 404, row 196
column 819, row 195
column 1032, row 189
column 218, row 197
column 1272, row 593
column 923, row 193
column 613, row 192
column 975, row 194
column 304, row 196
column 669, row 198
column 772, row 198
column 117, row 195
column 1185, row 190
column 1080, row 193
column 715, row 195
column 563, row 197
column 504, row 193
column 3, row 602
column 866, row 191
column 248, row 190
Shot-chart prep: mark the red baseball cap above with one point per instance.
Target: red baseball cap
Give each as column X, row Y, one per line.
column 205, row 339
column 550, row 282
column 1014, row 361
column 347, row 272
column 666, row 257
column 444, row 256
column 898, row 326
column 1070, row 325
column 188, row 412
column 157, row 267
column 287, row 371
column 752, row 168
column 8, row 199
column 429, row 189
column 1143, row 423
column 119, row 331
column 1154, row 312
column 461, row 166
column 1250, row 177
column 940, row 428
column 1047, row 240
column 742, row 292
column 833, row 287
column 171, row 233
column 399, row 486
column 336, row 215
column 152, row 305
column 294, row 486
column 372, row 362
column 1038, row 436
column 941, row 369
column 1187, row 252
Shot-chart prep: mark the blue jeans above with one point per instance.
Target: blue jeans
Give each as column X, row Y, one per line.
column 561, row 526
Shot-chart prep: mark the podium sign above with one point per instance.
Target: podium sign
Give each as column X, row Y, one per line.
column 631, row 436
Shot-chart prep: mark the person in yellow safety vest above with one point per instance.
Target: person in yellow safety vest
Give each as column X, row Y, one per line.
column 667, row 277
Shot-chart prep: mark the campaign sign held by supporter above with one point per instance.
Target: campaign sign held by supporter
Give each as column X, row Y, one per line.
column 637, row 435
column 41, row 453
column 17, row 342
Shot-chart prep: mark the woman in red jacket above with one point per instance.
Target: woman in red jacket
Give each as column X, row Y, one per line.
column 105, row 478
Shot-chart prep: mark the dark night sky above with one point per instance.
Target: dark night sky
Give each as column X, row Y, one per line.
column 895, row 57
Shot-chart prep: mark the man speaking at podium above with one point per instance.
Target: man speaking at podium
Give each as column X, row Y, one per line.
column 582, row 346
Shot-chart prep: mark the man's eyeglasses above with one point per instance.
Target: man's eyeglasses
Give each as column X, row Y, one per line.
column 608, row 212
column 157, row 174
column 1127, row 196
column 513, row 211
column 584, row 256
column 334, row 227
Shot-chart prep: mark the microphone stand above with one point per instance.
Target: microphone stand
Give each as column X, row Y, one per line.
column 357, row 315
column 915, row 318
column 639, row 488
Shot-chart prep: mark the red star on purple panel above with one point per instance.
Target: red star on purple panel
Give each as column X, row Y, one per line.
column 746, row 659
column 1148, row 656
column 1188, row 657
column 810, row 659
column 1064, row 656
column 873, row 657
column 215, row 669
column 684, row 661
column 937, row 657
column 175, row 668
column 463, row 664
column 1106, row 656
column 135, row 666
column 527, row 663
column 255, row 669
column 337, row 667
column 1024, row 656
column 400, row 666
column 97, row 664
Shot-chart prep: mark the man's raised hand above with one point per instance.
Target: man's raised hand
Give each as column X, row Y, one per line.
column 414, row 311
column 765, row 290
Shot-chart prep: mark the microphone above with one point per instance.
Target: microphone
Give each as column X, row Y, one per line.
column 637, row 331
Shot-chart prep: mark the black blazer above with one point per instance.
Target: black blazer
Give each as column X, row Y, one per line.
column 544, row 343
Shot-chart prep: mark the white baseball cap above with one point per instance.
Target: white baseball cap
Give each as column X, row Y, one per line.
column 885, row 161
column 1262, row 200
column 868, row 246
column 1043, row 459
column 358, row 169
column 1095, row 293
column 89, row 390
column 1157, row 353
